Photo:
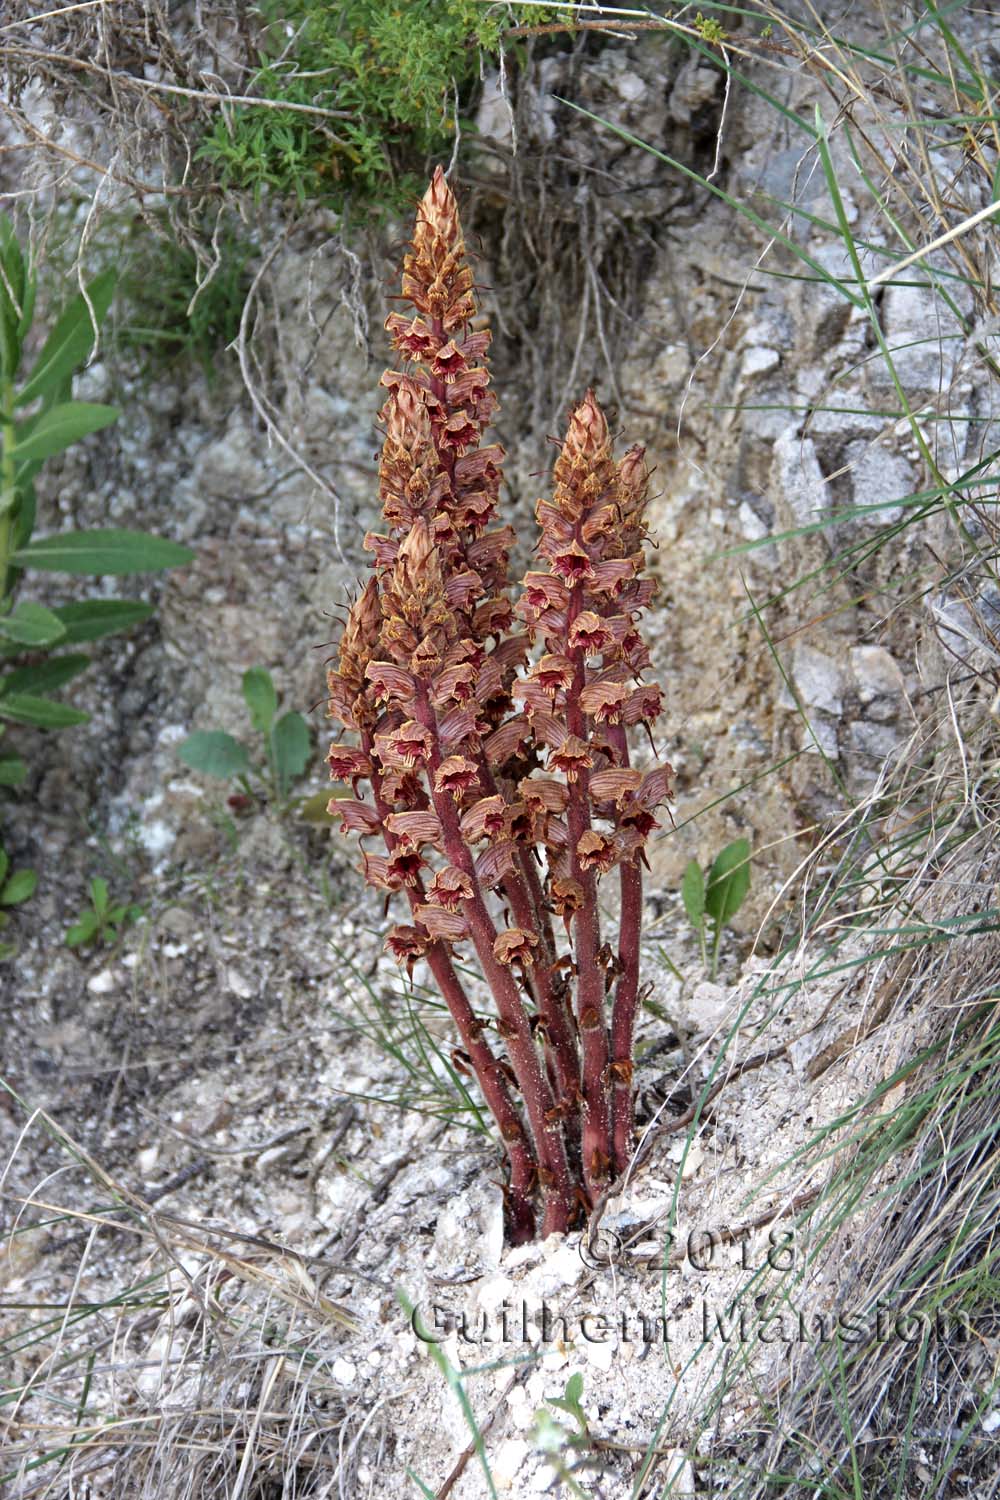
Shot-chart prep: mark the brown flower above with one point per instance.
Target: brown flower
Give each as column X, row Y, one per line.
column 406, row 944
column 409, row 745
column 415, row 829
column 484, row 820
column 450, row 886
column 589, row 634
column 602, row 701
column 404, row 866
column 566, row 895
column 552, row 673
column 573, row 564
column 449, row 926
column 571, row 757
column 514, row 945
column 348, row 765
column 456, row 776
column 355, row 817
column 596, row 851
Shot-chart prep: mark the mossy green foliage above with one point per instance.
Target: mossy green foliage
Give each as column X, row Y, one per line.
column 394, row 71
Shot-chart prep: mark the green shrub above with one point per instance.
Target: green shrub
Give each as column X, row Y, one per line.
column 391, row 73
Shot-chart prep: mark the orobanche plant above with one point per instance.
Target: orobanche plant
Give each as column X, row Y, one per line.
column 494, row 739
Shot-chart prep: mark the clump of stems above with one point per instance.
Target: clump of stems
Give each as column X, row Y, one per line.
column 492, row 733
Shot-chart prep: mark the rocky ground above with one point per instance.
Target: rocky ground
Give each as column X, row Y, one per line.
column 245, row 1059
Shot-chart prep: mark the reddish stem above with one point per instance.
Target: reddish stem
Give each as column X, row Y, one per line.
column 626, row 991
column 595, row 1138
column 524, row 1173
column 495, row 1091
column 538, row 1099
column 527, row 904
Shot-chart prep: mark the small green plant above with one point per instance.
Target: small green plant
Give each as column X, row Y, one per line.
column 39, row 419
column 709, row 30
column 100, row 922
column 556, row 1440
column 15, row 886
column 718, row 897
column 287, row 749
column 370, row 85
column 569, row 1402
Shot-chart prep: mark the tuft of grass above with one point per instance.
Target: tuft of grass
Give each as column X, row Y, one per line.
column 180, row 300
column 236, row 1394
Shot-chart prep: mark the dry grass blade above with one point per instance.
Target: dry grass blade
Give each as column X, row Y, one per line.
column 203, row 1368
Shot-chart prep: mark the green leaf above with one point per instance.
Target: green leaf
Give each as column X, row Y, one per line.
column 59, row 426
column 728, row 882
column 314, row 809
column 101, row 552
column 13, row 771
column 4, row 863
column 261, row 698
column 25, row 520
column 92, row 618
column 47, row 677
column 99, row 894
column 32, row 625
column 25, row 708
column 70, row 341
column 214, row 753
column 16, row 294
column 83, row 929
column 291, row 748
column 19, row 887
column 693, row 893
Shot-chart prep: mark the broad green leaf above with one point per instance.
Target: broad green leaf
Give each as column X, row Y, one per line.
column 26, row 708
column 291, row 748
column 214, row 753
column 70, row 341
column 99, row 894
column 7, row 950
column 83, row 929
column 32, row 625
column 693, row 893
column 19, row 887
column 4, row 863
column 101, row 552
column 13, row 771
column 60, row 426
column 92, row 618
column 47, row 677
column 728, row 882
column 261, row 698
column 314, row 809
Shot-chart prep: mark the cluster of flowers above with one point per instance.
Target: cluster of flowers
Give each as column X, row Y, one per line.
column 493, row 738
